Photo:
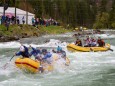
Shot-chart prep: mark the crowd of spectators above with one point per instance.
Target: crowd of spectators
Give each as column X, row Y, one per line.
column 6, row 20
column 34, row 21
column 11, row 20
column 46, row 22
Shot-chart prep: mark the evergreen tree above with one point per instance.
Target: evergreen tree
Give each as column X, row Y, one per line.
column 112, row 15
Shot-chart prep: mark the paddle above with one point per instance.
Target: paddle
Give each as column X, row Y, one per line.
column 91, row 50
column 8, row 62
column 110, row 49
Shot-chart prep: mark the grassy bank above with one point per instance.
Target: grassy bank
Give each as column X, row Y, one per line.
column 53, row 29
column 23, row 31
column 15, row 30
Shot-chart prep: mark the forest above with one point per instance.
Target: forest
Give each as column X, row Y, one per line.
column 96, row 14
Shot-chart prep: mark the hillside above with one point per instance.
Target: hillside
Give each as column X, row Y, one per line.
column 88, row 13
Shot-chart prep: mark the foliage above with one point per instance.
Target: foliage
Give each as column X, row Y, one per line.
column 15, row 30
column 102, row 20
column 112, row 16
column 74, row 12
column 53, row 29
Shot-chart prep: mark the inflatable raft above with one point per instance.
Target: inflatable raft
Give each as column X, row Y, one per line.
column 30, row 65
column 74, row 48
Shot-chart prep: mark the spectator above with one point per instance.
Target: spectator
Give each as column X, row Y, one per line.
column 33, row 21
column 23, row 20
column 18, row 21
column 7, row 24
column 0, row 20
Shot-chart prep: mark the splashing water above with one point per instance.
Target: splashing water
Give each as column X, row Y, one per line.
column 85, row 69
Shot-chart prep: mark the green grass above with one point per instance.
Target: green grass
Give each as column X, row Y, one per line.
column 15, row 30
column 53, row 29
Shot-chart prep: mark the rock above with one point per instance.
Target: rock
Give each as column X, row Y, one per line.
column 24, row 35
column 35, row 34
column 1, row 34
column 7, row 38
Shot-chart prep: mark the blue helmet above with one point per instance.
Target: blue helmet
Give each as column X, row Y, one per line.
column 44, row 50
column 59, row 48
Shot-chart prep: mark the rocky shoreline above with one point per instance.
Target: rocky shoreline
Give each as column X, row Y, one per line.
column 7, row 39
column 17, row 37
column 24, row 35
column 17, row 32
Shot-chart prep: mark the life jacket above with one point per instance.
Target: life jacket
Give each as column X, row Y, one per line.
column 25, row 53
column 101, row 42
column 78, row 42
column 88, row 41
column 48, row 55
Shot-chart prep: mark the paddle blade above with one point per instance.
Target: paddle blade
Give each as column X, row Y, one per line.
column 111, row 49
column 5, row 66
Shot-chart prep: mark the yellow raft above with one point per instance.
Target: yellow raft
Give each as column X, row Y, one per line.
column 74, row 48
column 33, row 66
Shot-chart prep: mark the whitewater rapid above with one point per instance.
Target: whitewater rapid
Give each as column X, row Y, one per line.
column 85, row 69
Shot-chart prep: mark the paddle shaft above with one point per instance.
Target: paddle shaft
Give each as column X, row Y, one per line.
column 12, row 58
column 111, row 49
column 8, row 62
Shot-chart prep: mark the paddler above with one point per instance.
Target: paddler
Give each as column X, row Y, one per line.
column 38, row 57
column 23, row 52
column 47, row 56
column 36, row 53
column 78, row 42
column 100, row 42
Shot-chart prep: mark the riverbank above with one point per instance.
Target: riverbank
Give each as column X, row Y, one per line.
column 16, row 32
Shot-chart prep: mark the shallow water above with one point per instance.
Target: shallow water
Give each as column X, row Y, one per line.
column 86, row 68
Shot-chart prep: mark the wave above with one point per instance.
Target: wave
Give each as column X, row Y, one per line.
column 51, row 43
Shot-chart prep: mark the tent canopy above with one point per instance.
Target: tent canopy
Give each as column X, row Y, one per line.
column 20, row 13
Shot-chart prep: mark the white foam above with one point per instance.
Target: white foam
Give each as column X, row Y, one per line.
column 104, row 36
column 51, row 43
column 54, row 43
column 61, row 35
column 9, row 45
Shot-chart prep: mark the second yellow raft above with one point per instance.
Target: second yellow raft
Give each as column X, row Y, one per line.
column 75, row 48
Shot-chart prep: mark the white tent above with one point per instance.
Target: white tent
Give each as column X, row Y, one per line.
column 19, row 13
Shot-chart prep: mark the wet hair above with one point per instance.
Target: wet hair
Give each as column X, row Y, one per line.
column 44, row 50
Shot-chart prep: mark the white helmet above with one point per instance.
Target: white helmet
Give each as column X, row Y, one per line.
column 22, row 48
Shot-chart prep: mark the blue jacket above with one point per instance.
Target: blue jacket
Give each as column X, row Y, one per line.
column 24, row 54
column 34, row 52
column 63, row 53
column 48, row 55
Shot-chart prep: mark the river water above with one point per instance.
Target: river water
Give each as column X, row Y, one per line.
column 86, row 68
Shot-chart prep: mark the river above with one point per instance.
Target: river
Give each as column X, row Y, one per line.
column 86, row 68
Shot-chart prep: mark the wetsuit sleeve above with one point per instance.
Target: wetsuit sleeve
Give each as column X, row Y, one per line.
column 18, row 53
column 32, row 52
column 26, row 49
column 33, row 49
